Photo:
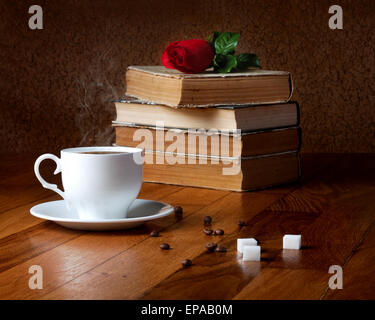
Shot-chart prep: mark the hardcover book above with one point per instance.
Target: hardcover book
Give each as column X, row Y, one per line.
column 198, row 142
column 227, row 117
column 242, row 174
column 173, row 88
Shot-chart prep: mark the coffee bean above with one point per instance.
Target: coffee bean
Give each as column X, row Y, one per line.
column 207, row 220
column 242, row 223
column 208, row 231
column 186, row 263
column 221, row 249
column 211, row 246
column 178, row 211
column 164, row 246
column 154, row 234
column 219, row 232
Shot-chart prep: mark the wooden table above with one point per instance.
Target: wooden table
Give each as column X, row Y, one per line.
column 333, row 208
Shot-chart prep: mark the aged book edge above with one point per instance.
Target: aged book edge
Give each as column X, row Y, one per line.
column 135, row 100
column 192, row 106
column 171, row 73
column 235, row 190
column 129, row 124
column 224, row 158
column 245, row 190
column 233, row 133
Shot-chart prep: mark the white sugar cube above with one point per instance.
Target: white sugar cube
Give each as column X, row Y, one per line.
column 245, row 242
column 292, row 241
column 251, row 253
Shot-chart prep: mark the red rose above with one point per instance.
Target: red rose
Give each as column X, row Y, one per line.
column 188, row 56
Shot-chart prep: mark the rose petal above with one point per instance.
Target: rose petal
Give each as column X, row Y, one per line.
column 188, row 56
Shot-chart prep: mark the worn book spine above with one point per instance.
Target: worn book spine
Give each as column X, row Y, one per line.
column 213, row 144
column 236, row 174
column 223, row 117
column 155, row 83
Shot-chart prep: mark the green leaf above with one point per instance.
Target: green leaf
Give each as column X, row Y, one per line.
column 211, row 39
column 246, row 60
column 224, row 63
column 226, row 42
column 219, row 60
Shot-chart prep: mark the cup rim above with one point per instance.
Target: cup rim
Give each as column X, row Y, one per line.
column 128, row 150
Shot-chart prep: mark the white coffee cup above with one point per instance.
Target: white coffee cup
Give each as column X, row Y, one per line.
column 97, row 185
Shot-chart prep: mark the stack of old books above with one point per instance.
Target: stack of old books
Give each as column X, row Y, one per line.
column 236, row 131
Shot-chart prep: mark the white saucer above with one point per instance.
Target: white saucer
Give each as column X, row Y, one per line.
column 140, row 212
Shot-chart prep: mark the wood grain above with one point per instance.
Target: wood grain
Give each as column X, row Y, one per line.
column 358, row 274
column 79, row 256
column 332, row 208
column 348, row 211
column 21, row 190
column 312, row 166
column 331, row 238
column 19, row 247
column 18, row 184
column 227, row 272
column 19, row 218
column 66, row 262
column 123, row 277
column 285, row 284
column 330, row 181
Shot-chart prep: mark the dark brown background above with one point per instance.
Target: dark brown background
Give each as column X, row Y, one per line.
column 56, row 83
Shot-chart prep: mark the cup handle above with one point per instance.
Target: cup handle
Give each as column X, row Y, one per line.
column 44, row 183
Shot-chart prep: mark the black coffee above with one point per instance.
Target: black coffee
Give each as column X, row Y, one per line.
column 102, row 152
